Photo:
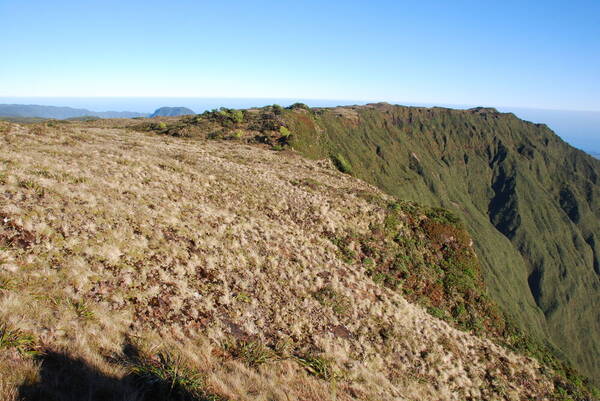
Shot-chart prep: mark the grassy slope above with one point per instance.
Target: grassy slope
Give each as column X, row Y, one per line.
column 531, row 201
column 141, row 267
column 529, row 198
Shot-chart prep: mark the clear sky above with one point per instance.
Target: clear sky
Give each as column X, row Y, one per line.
column 543, row 54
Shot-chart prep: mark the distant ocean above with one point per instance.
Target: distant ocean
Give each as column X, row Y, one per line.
column 580, row 128
column 149, row 104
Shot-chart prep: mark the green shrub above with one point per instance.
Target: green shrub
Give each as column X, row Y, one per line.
column 237, row 116
column 341, row 163
column 277, row 109
column 443, row 216
column 299, row 105
column 437, row 312
column 284, row 131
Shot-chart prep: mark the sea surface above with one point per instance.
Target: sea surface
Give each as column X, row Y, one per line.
column 580, row 128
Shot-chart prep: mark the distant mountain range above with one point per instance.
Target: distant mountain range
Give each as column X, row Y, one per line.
column 32, row 110
column 60, row 113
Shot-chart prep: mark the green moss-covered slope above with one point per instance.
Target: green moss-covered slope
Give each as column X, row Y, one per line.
column 531, row 201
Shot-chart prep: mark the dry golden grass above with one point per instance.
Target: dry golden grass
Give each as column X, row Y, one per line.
column 214, row 253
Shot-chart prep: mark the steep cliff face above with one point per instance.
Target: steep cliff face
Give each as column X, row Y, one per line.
column 136, row 266
column 531, row 201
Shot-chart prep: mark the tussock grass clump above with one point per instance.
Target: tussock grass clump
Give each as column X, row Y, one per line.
column 82, row 309
column 319, row 366
column 166, row 376
column 327, row 296
column 252, row 353
column 14, row 338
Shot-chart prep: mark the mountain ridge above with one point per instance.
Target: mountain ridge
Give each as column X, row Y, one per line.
column 513, row 182
column 241, row 273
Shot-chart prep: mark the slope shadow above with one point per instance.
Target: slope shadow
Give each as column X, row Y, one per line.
column 66, row 378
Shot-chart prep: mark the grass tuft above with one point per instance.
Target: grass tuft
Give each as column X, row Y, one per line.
column 327, row 296
column 319, row 366
column 252, row 353
column 167, row 377
column 24, row 343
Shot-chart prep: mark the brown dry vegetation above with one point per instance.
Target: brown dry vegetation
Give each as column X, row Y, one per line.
column 133, row 265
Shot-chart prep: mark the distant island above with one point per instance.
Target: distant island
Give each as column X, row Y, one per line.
column 63, row 113
column 172, row 112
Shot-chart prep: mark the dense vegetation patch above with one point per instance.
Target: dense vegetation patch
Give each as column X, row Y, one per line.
column 265, row 125
column 427, row 255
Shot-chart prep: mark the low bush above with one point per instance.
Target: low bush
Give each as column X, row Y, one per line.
column 298, row 105
column 341, row 163
column 284, row 131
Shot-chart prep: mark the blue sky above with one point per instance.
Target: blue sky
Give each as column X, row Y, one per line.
column 542, row 54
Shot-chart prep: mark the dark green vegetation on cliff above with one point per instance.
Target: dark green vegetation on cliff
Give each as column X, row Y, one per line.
column 530, row 201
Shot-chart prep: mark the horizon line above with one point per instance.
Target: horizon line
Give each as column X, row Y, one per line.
column 395, row 102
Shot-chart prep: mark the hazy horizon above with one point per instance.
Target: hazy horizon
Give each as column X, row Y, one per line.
column 143, row 104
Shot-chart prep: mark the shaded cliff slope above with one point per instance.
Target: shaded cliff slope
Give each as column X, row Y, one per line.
column 531, row 201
